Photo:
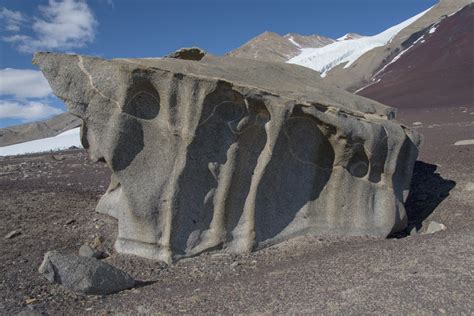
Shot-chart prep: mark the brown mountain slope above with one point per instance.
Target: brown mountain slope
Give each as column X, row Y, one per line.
column 438, row 70
column 360, row 73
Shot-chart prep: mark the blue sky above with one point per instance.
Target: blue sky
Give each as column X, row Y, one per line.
column 146, row 28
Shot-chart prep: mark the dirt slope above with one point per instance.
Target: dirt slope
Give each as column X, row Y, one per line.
column 438, row 71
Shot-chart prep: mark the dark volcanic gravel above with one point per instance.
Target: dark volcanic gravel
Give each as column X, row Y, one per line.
column 49, row 200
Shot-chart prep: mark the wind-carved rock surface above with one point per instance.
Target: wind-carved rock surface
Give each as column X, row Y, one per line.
column 233, row 154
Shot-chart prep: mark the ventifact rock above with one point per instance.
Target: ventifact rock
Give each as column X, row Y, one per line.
column 233, row 154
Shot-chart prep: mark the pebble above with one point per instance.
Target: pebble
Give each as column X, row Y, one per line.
column 70, row 221
column 434, row 227
column 13, row 234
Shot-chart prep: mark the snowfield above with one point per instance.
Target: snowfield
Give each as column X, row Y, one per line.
column 348, row 51
column 61, row 141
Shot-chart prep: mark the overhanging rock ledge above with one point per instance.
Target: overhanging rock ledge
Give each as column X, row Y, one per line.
column 233, row 154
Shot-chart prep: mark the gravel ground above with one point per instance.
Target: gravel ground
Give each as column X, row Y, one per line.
column 49, row 200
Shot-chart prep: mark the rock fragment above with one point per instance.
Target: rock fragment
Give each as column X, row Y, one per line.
column 469, row 186
column 84, row 275
column 193, row 53
column 13, row 234
column 87, row 251
column 435, row 227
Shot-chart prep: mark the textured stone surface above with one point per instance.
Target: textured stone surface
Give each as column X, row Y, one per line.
column 84, row 275
column 233, row 153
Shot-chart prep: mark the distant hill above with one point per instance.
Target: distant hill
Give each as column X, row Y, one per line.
column 273, row 47
column 38, row 130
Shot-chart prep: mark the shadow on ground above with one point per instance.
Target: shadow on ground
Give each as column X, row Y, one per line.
column 427, row 190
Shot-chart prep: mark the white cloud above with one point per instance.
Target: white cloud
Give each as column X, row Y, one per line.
column 12, row 20
column 23, row 83
column 62, row 25
column 26, row 111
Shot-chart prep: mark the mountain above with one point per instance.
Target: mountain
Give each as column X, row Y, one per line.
column 434, row 68
column 64, row 140
column 351, row 64
column 38, row 130
column 351, row 61
column 270, row 46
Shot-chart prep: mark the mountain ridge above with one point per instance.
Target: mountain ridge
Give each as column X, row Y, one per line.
column 271, row 46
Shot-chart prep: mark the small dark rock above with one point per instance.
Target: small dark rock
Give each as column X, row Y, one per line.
column 192, row 53
column 84, row 275
column 69, row 222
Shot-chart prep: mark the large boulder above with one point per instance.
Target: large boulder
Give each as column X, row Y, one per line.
column 234, row 154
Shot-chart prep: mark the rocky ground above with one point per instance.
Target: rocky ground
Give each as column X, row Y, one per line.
column 49, row 200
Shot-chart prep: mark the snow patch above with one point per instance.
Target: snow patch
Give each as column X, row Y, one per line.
column 455, row 12
column 365, row 87
column 292, row 40
column 61, row 141
column 396, row 58
column 348, row 51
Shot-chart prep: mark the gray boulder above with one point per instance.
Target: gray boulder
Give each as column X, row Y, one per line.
column 233, row 154
column 84, row 275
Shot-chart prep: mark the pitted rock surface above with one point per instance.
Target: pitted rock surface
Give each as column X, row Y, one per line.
column 233, row 154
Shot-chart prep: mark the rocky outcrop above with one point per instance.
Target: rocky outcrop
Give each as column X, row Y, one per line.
column 233, row 154
column 192, row 53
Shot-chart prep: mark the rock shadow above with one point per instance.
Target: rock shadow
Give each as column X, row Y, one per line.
column 427, row 190
column 129, row 143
